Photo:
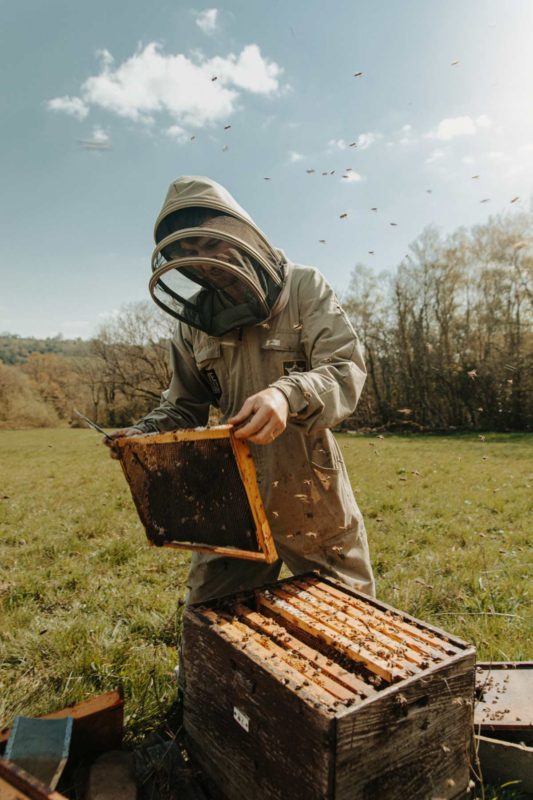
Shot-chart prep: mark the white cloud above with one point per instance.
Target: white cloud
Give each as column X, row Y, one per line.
column 182, row 87
column 497, row 155
column 99, row 135
column 452, row 127
column 294, row 157
column 98, row 141
column 351, row 177
column 362, row 142
column 337, row 144
column 365, row 140
column 483, row 121
column 436, row 155
column 456, row 126
column 70, row 105
column 176, row 132
column 105, row 57
column 407, row 135
column 468, row 160
column 249, row 71
column 207, row 20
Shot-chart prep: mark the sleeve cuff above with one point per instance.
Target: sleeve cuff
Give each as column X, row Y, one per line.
column 146, row 427
column 296, row 397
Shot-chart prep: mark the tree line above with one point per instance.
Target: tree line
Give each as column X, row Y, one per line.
column 447, row 338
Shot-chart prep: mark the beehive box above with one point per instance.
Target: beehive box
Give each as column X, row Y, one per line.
column 307, row 689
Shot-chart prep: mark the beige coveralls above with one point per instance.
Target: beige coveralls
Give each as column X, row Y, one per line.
column 309, row 351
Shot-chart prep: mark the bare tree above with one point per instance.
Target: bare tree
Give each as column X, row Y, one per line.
column 448, row 338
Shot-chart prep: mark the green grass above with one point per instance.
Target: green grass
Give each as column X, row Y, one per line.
column 449, row 523
column 86, row 604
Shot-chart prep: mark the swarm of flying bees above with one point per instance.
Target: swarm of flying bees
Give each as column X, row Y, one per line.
column 93, row 144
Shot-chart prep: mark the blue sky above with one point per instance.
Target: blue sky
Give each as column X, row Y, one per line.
column 100, row 100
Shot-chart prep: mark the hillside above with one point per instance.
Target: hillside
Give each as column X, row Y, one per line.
column 16, row 349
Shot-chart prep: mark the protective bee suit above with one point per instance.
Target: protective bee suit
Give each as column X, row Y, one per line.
column 250, row 319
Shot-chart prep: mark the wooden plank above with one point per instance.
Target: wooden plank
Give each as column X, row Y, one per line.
column 426, row 631
column 414, row 740
column 16, row 784
column 360, row 622
column 331, row 637
column 341, row 678
column 250, row 555
column 391, row 616
column 285, row 673
column 372, row 657
column 502, row 761
column 300, row 663
column 180, row 435
column 246, row 467
column 337, row 620
column 380, row 622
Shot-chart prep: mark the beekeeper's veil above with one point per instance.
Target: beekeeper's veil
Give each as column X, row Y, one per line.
column 212, row 266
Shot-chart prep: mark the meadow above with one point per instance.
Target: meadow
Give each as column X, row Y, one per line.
column 87, row 604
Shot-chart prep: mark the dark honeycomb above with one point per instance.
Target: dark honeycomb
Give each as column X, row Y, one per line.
column 189, row 492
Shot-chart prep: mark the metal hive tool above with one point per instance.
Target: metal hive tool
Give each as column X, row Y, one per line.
column 197, row 489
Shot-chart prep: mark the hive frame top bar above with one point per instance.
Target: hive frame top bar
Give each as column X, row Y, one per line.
column 180, row 435
column 243, row 458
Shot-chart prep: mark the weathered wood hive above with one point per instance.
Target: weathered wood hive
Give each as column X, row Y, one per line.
column 307, row 689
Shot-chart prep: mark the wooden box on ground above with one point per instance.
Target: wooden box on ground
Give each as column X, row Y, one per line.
column 504, row 708
column 306, row 689
column 503, row 718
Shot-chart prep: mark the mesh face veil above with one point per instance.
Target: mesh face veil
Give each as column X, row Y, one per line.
column 213, row 270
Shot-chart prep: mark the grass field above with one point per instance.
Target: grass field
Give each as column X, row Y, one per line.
column 86, row 604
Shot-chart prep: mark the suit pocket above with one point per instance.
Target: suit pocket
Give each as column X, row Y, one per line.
column 283, row 354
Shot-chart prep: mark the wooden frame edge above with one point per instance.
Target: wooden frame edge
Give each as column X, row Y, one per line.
column 179, row 435
column 247, row 471
column 250, row 555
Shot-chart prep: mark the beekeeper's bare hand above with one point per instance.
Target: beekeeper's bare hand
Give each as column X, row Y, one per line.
column 118, row 434
column 265, row 416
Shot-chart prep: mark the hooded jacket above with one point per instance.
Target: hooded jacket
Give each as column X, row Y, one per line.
column 307, row 349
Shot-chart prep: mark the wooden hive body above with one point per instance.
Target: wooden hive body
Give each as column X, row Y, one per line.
column 197, row 489
column 308, row 690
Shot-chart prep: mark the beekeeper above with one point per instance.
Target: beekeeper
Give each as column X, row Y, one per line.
column 266, row 341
